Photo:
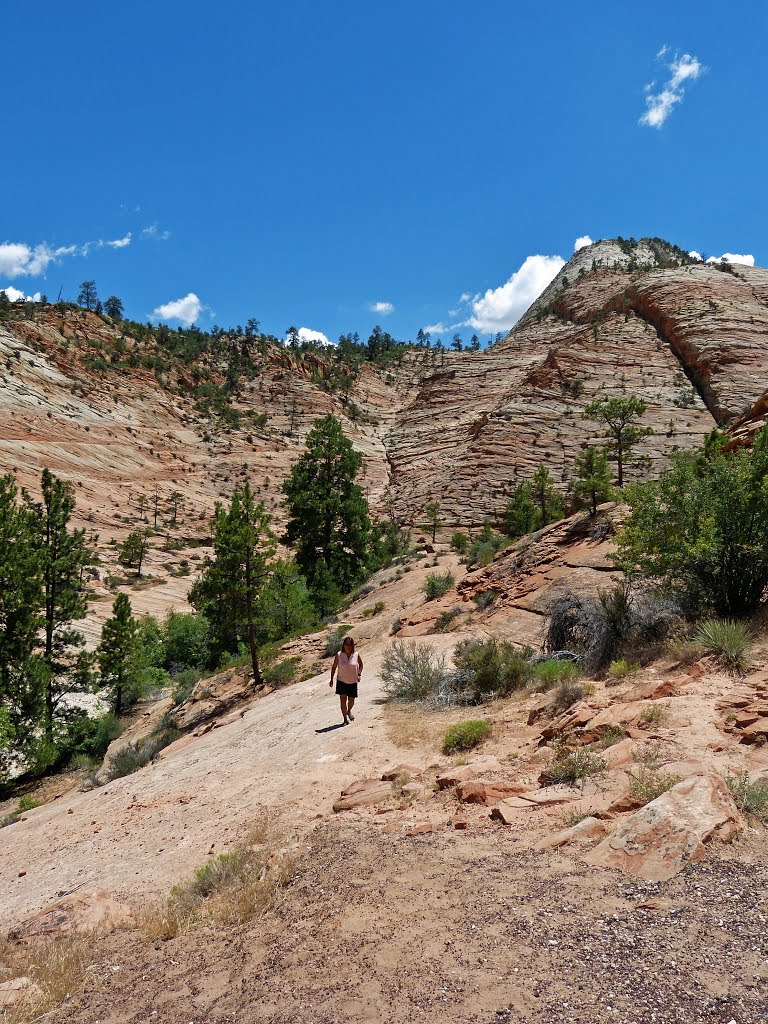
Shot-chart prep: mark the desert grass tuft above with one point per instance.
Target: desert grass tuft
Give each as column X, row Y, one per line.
column 230, row 888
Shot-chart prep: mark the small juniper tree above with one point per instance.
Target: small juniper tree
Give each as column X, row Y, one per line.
column 593, row 476
column 619, row 417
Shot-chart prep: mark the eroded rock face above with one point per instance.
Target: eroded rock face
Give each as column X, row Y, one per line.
column 671, row 831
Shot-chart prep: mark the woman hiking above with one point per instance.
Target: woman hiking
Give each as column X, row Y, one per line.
column 349, row 665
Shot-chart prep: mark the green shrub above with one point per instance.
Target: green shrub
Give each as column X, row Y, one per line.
column 282, row 673
column 138, row 755
column 184, row 684
column 465, row 735
column 484, row 600
column 496, row 668
column 373, row 609
column 621, row 668
column 730, row 641
column 446, row 621
column 654, row 716
column 89, row 737
column 436, row 585
column 411, row 671
column 650, row 783
column 750, row 797
column 186, row 640
column 573, row 767
column 333, row 641
column 549, row 673
column 459, row 542
column 565, row 696
column 28, row 803
column 607, row 739
column 702, row 528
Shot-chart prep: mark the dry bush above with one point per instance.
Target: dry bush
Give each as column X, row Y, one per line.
column 229, row 888
column 56, row 968
column 412, row 726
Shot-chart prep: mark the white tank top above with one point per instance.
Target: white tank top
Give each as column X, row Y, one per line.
column 348, row 668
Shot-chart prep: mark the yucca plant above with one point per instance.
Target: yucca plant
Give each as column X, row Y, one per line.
column 727, row 639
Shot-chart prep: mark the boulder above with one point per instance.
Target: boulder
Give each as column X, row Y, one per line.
column 397, row 770
column 485, row 792
column 467, row 771
column 211, row 698
column 619, row 754
column 363, row 794
column 653, row 689
column 658, row 841
column 757, row 732
column 574, row 718
column 97, row 911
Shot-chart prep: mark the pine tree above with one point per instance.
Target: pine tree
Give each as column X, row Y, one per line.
column 63, row 555
column 285, row 607
column 618, row 416
column 593, row 476
column 113, row 307
column 550, row 502
column 521, row 515
column 329, row 521
column 175, row 499
column 116, row 651
column 21, row 602
column 133, row 549
column 87, row 296
column 229, row 588
column 432, row 515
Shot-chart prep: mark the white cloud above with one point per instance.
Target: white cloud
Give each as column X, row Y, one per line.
column 733, row 257
column 17, row 259
column 581, row 242
column 660, row 103
column 501, row 308
column 120, row 243
column 153, row 231
column 186, row 310
column 307, row 334
column 695, row 255
column 384, row 308
column 17, row 296
column 441, row 328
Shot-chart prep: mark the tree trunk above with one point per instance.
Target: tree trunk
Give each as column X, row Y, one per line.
column 257, row 678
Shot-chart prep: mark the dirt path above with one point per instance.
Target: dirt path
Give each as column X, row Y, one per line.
column 466, row 928
column 139, row 835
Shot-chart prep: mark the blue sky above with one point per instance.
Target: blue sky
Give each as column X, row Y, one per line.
column 300, row 162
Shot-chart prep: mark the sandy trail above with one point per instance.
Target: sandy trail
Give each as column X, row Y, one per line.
column 138, row 835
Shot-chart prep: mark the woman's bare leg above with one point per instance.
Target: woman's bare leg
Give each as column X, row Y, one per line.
column 350, row 705
column 343, row 701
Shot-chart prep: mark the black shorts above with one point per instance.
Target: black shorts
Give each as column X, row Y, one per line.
column 346, row 689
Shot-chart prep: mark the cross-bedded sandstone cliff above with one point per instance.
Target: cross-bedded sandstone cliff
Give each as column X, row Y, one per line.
column 464, row 428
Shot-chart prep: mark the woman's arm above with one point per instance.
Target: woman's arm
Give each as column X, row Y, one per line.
column 334, row 666
column 359, row 666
